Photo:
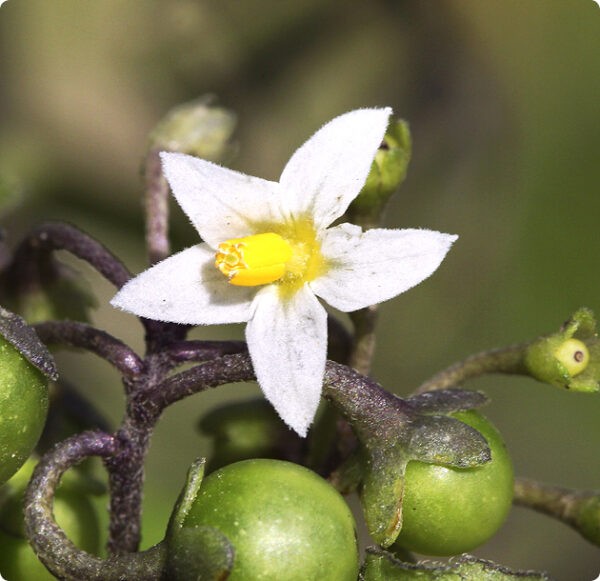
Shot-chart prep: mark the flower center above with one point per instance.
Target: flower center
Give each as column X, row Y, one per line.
column 288, row 258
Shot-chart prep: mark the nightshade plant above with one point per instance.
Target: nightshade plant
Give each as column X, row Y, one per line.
column 268, row 250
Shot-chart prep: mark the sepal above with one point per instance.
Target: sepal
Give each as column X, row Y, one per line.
column 392, row 431
column 381, row 565
column 195, row 553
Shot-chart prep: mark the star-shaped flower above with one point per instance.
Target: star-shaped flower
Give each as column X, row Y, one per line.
column 268, row 254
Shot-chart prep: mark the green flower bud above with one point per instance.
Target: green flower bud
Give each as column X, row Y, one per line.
column 570, row 358
column 197, row 128
column 388, row 171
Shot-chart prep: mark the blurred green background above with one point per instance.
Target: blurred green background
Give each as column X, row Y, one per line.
column 503, row 99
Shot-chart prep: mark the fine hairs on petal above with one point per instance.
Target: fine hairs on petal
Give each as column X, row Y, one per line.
column 287, row 340
column 326, row 173
column 186, row 288
column 287, row 326
column 373, row 266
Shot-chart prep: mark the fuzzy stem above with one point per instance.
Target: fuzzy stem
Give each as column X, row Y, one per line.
column 509, row 360
column 363, row 348
column 556, row 501
column 74, row 334
column 157, row 208
column 60, row 236
column 50, row 543
column 197, row 351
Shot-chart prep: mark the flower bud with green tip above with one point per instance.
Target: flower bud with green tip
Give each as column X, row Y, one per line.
column 197, row 128
column 25, row 365
column 388, row 171
column 569, row 358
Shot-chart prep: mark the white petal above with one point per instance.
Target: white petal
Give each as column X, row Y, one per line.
column 374, row 266
column 287, row 340
column 221, row 203
column 186, row 288
column 329, row 170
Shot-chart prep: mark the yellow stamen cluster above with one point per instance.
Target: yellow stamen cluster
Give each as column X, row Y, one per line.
column 289, row 258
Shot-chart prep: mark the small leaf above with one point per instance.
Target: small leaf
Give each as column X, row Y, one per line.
column 447, row 401
column 446, row 441
column 200, row 553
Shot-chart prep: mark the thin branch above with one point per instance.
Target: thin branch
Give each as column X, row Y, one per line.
column 52, row 236
column 50, row 543
column 157, row 208
column 75, row 334
column 363, row 347
column 198, row 351
column 507, row 360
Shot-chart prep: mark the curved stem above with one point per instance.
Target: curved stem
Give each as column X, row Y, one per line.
column 351, row 391
column 60, row 236
column 508, row 360
column 50, row 543
column 74, row 334
column 198, row 351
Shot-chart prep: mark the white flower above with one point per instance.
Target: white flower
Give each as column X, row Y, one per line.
column 268, row 254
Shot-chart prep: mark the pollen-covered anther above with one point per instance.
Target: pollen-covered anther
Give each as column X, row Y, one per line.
column 253, row 260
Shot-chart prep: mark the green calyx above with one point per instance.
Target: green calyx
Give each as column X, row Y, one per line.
column 396, row 432
column 569, row 358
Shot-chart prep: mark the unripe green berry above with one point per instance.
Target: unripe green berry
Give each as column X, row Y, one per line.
column 23, row 408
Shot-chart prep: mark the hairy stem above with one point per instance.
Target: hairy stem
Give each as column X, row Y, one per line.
column 508, row 360
column 197, row 351
column 52, row 236
column 556, row 501
column 157, row 208
column 74, row 334
column 50, row 543
column 363, row 348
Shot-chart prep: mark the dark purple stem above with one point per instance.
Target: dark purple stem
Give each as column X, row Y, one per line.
column 74, row 334
column 352, row 392
column 50, row 543
column 197, row 351
column 52, row 236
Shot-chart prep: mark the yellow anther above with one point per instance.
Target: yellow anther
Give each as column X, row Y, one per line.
column 254, row 260
column 574, row 356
